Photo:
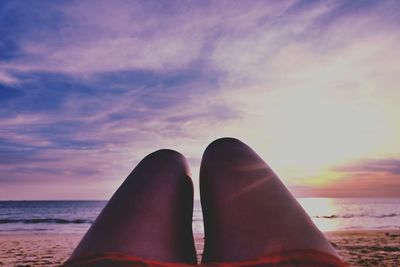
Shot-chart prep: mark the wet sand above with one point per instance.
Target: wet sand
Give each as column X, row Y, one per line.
column 358, row 248
column 367, row 248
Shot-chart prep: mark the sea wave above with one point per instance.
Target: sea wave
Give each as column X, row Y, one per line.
column 45, row 220
column 345, row 216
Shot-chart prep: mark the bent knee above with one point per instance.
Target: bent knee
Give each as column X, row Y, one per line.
column 223, row 142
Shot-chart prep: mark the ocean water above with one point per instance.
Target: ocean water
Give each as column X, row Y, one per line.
column 329, row 214
column 48, row 216
column 332, row 214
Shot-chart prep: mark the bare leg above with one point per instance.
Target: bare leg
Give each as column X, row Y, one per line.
column 247, row 210
column 150, row 215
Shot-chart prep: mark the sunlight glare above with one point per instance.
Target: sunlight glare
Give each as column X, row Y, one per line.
column 310, row 133
column 319, row 209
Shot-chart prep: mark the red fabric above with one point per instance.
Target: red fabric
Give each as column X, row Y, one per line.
column 297, row 258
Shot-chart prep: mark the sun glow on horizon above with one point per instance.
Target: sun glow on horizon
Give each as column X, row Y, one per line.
column 318, row 208
column 305, row 133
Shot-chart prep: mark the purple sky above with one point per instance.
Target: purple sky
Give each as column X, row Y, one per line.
column 88, row 88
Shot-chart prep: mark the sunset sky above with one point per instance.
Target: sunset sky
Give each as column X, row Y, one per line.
column 88, row 88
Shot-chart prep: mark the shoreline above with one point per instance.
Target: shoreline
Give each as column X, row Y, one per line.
column 356, row 247
column 81, row 234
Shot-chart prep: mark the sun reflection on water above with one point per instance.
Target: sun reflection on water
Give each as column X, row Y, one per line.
column 320, row 210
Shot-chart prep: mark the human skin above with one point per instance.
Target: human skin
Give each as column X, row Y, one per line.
column 150, row 215
column 247, row 210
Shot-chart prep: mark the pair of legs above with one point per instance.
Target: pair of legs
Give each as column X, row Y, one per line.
column 247, row 210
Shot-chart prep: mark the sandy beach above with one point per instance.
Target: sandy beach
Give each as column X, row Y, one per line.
column 367, row 248
column 358, row 248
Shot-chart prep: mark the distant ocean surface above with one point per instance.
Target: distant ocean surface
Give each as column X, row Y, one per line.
column 329, row 214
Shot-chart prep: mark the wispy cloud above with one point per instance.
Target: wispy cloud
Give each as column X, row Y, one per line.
column 87, row 89
column 388, row 166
